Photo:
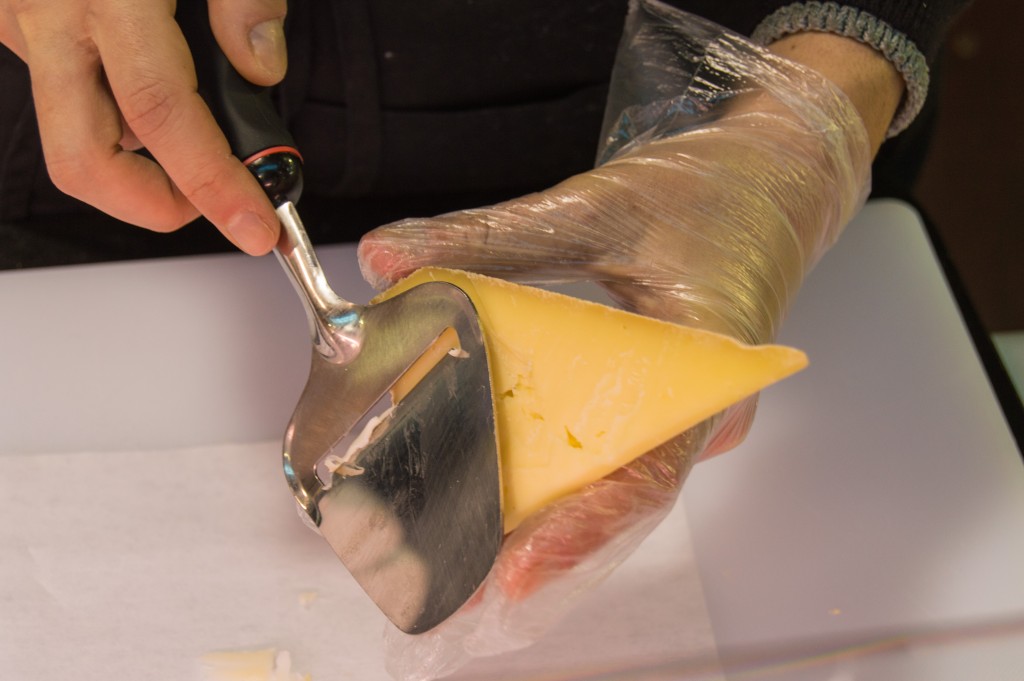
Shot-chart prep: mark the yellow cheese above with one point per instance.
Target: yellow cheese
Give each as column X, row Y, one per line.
column 581, row 388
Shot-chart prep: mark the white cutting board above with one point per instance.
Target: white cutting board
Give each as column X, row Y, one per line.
column 880, row 491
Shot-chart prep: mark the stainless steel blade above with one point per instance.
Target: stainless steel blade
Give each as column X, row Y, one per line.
column 407, row 494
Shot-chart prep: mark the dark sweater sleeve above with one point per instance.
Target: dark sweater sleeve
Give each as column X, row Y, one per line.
column 909, row 34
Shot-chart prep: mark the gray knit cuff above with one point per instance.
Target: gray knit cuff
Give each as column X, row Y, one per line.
column 831, row 17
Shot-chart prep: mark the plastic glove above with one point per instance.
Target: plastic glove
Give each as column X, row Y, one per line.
column 725, row 173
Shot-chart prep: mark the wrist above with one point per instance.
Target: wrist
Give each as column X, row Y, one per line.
column 870, row 81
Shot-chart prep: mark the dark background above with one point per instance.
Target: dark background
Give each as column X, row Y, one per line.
column 972, row 184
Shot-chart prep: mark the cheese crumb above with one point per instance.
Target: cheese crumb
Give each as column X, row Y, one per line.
column 306, row 598
column 265, row 664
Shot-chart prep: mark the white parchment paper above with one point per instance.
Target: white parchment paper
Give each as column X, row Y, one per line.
column 132, row 565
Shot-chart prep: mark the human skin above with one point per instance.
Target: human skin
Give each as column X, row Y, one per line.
column 660, row 266
column 112, row 76
column 874, row 87
column 869, row 80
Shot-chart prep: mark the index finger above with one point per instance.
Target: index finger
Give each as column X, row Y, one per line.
column 151, row 75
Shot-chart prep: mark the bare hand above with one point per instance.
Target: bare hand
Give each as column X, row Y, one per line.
column 110, row 77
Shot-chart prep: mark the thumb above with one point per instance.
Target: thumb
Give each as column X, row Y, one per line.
column 251, row 35
column 544, row 237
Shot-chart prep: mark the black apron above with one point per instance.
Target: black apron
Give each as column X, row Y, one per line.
column 400, row 109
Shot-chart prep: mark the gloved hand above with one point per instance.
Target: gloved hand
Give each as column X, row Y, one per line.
column 726, row 172
column 111, row 77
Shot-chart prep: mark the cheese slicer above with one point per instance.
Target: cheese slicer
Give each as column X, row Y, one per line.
column 391, row 451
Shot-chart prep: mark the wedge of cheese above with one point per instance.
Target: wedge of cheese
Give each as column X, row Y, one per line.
column 581, row 388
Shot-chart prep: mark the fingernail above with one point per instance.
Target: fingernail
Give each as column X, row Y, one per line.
column 251, row 233
column 379, row 265
column 268, row 46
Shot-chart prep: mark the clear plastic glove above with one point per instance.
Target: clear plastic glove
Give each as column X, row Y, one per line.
column 725, row 173
column 110, row 77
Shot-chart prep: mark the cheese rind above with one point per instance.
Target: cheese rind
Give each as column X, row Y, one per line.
column 581, row 388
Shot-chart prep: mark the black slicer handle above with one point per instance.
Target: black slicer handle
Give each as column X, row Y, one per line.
column 244, row 111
